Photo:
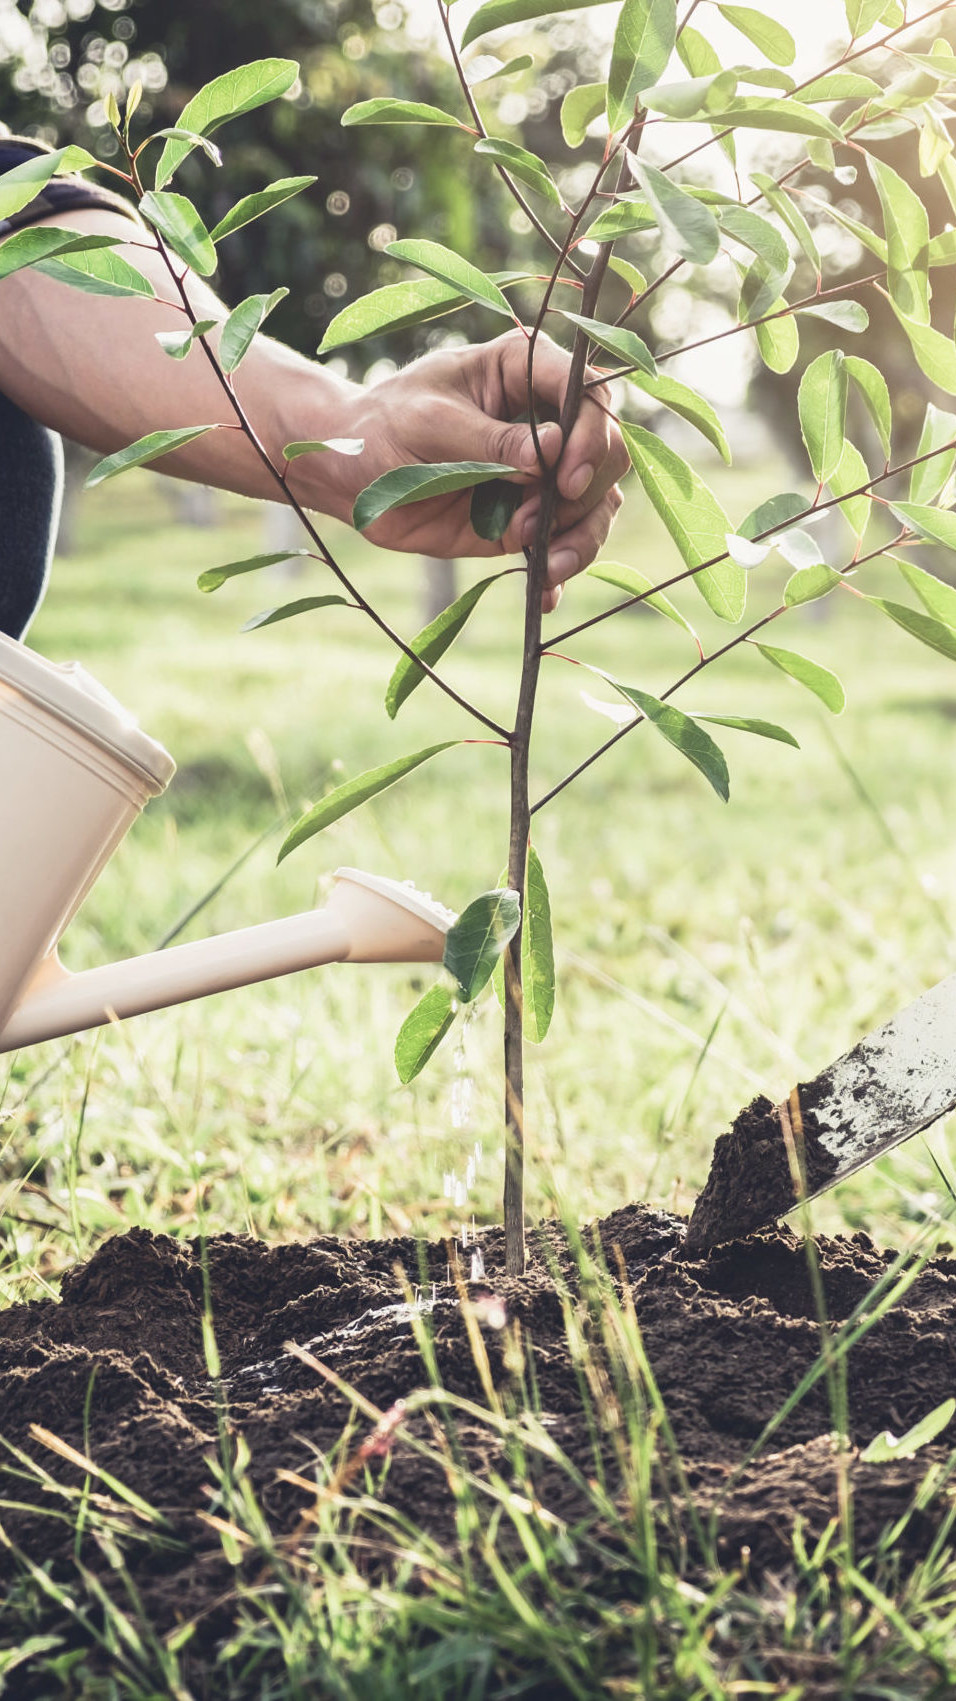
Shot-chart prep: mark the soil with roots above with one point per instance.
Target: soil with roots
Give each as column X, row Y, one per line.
column 117, row 1372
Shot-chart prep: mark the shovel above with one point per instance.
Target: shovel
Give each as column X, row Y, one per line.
column 897, row 1081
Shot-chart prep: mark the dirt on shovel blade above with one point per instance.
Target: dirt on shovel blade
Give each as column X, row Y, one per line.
column 751, row 1178
column 116, row 1370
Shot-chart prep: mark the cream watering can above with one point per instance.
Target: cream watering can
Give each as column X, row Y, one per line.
column 75, row 771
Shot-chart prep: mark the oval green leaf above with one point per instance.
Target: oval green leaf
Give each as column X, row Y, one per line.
column 40, row 242
column 626, row 345
column 213, row 577
column 643, row 43
column 634, row 583
column 253, row 206
column 519, row 163
column 821, row 403
column 492, row 507
column 145, row 449
column 809, row 584
column 235, row 92
column 693, row 516
column 747, row 723
column 432, row 642
column 289, row 610
column 97, row 271
column 933, row 593
column 355, row 792
column 179, row 224
column 684, row 734
column 579, row 108
column 242, row 325
column 422, row 1032
column 177, row 344
column 537, row 953
column 495, row 14
column 476, row 940
column 817, row 679
column 930, row 476
column 686, row 224
column 402, row 485
column 454, row 269
column 929, row 631
column 774, row 42
column 384, row 110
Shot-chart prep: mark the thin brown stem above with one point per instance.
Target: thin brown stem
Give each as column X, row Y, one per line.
column 503, row 173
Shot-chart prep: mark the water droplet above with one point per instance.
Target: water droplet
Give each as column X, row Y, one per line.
column 461, row 1195
column 448, row 1185
column 477, row 1265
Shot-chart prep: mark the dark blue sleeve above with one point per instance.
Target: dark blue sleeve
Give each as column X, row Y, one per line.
column 60, row 195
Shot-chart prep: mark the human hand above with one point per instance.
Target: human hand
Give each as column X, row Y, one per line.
column 457, row 405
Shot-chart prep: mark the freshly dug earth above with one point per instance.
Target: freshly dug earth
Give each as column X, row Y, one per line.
column 117, row 1370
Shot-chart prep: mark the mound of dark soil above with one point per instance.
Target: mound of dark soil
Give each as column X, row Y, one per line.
column 117, row 1371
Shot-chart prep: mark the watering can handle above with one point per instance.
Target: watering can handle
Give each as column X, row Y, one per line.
column 368, row 919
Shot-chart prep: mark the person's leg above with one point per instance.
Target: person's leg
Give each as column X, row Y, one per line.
column 31, row 489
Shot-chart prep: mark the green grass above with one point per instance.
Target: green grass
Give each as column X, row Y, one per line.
column 705, row 952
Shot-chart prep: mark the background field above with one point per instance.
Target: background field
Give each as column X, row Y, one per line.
column 706, row 952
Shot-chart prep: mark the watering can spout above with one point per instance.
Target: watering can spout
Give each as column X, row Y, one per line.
column 368, row 919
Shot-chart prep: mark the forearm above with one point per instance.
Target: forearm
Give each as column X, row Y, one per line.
column 90, row 367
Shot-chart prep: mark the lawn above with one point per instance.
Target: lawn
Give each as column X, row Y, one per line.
column 705, row 953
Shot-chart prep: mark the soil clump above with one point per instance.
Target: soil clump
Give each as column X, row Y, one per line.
column 117, row 1370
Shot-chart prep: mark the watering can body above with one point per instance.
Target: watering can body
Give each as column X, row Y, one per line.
column 75, row 771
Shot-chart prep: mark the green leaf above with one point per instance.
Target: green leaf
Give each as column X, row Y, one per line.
column 626, row 345
column 925, row 627
column 355, row 792
column 935, row 353
column 492, row 507
column 519, row 163
column 777, row 511
column 754, row 112
column 621, row 220
column 933, row 593
column 304, row 605
column 746, row 723
column 385, row 110
column 177, row 344
column 521, row 62
column 97, row 271
column 935, row 143
column 392, row 308
column 942, row 248
column 787, row 210
column 495, row 14
column 681, row 399
column 180, row 226
column 928, row 479
column 242, row 325
column 817, row 679
column 808, row 584
column 634, row 583
column 851, row 473
column 685, row 223
column 635, row 280
column 692, row 515
column 41, row 241
column 579, row 108
column 886, row 1448
column 691, row 97
column 432, row 642
column 235, row 92
column 213, row 577
column 849, row 315
column 402, row 485
column 875, row 392
column 24, row 182
column 644, row 40
column 861, row 15
column 422, row 1032
column 684, row 734
column 193, row 138
column 757, row 234
column 774, row 42
column 761, row 287
column 938, row 524
column 907, row 239
column 841, row 85
column 319, row 445
column 453, row 269
column 778, row 340
column 145, row 449
column 821, row 401
column 537, row 953
column 253, row 206
column 696, row 53
column 476, row 940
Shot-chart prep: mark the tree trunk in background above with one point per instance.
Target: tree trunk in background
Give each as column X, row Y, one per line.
column 440, row 586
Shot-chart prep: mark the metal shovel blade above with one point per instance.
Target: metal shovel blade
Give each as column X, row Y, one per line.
column 897, row 1081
